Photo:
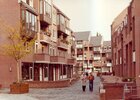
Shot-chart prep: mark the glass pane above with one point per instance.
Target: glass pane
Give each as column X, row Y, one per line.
column 27, row 19
column 41, row 7
column 33, row 22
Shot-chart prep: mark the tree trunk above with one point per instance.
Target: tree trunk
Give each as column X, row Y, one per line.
column 18, row 71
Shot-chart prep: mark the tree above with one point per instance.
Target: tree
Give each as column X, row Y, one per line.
column 19, row 44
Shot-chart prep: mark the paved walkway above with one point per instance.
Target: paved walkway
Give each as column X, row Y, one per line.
column 73, row 92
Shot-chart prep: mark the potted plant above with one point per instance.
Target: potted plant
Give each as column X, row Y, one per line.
column 128, row 79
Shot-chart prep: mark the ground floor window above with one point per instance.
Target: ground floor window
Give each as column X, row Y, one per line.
column 27, row 72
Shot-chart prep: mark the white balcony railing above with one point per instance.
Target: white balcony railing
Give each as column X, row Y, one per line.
column 109, row 64
column 79, row 58
column 97, row 58
column 79, row 46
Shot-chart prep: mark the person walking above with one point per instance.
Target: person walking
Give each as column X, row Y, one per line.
column 91, row 80
column 83, row 81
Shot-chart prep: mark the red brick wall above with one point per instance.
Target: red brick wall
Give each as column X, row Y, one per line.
column 113, row 91
column 49, row 84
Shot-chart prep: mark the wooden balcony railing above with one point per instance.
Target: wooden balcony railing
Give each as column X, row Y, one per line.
column 42, row 57
column 58, row 59
column 44, row 39
column 62, row 45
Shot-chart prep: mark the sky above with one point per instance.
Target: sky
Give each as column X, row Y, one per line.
column 92, row 15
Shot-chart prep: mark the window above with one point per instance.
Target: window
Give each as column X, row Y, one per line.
column 43, row 51
column 41, row 6
column 36, row 47
column 45, row 8
column 64, row 70
column 31, row 21
column 62, row 20
column 46, row 72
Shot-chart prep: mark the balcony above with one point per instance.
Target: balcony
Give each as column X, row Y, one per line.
column 58, row 59
column 97, row 58
column 71, row 61
column 80, row 52
column 79, row 46
column 61, row 28
column 45, row 13
column 108, row 57
column 45, row 19
column 42, row 57
column 97, row 64
column 109, row 64
column 79, row 58
column 96, row 51
column 25, row 6
column 29, row 34
column 62, row 45
column 45, row 39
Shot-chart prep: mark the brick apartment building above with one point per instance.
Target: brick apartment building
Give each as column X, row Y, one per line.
column 97, row 43
column 90, row 57
column 82, row 43
column 106, row 57
column 54, row 50
column 125, row 42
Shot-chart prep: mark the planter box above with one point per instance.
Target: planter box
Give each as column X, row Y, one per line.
column 19, row 88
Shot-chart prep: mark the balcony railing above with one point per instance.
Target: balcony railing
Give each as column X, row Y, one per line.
column 45, row 19
column 58, row 59
column 45, row 14
column 97, row 64
column 97, row 58
column 44, row 39
column 71, row 61
column 61, row 28
column 42, row 57
column 79, row 58
column 108, row 57
column 28, row 34
column 61, row 44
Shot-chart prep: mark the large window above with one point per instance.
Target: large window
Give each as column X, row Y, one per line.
column 45, row 8
column 62, row 20
column 30, row 21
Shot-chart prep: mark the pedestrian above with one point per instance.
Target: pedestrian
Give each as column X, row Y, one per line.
column 91, row 80
column 83, row 81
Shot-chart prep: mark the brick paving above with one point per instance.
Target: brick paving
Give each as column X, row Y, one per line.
column 73, row 92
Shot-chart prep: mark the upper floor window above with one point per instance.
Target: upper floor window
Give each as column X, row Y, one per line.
column 67, row 23
column 62, row 20
column 45, row 8
column 31, row 21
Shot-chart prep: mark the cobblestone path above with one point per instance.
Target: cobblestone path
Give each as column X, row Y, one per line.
column 73, row 92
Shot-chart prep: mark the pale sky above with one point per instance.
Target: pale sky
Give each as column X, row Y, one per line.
column 92, row 15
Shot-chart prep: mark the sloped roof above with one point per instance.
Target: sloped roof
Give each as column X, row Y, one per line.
column 96, row 40
column 107, row 43
column 84, row 35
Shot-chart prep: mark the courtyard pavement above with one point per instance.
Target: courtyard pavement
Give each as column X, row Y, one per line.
column 73, row 92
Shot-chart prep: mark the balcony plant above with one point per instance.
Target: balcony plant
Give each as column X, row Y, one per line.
column 128, row 79
column 19, row 45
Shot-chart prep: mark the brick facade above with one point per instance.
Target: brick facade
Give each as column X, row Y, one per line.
column 52, row 58
column 125, row 42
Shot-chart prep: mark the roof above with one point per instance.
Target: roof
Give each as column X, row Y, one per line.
column 96, row 40
column 84, row 35
column 107, row 43
column 60, row 12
